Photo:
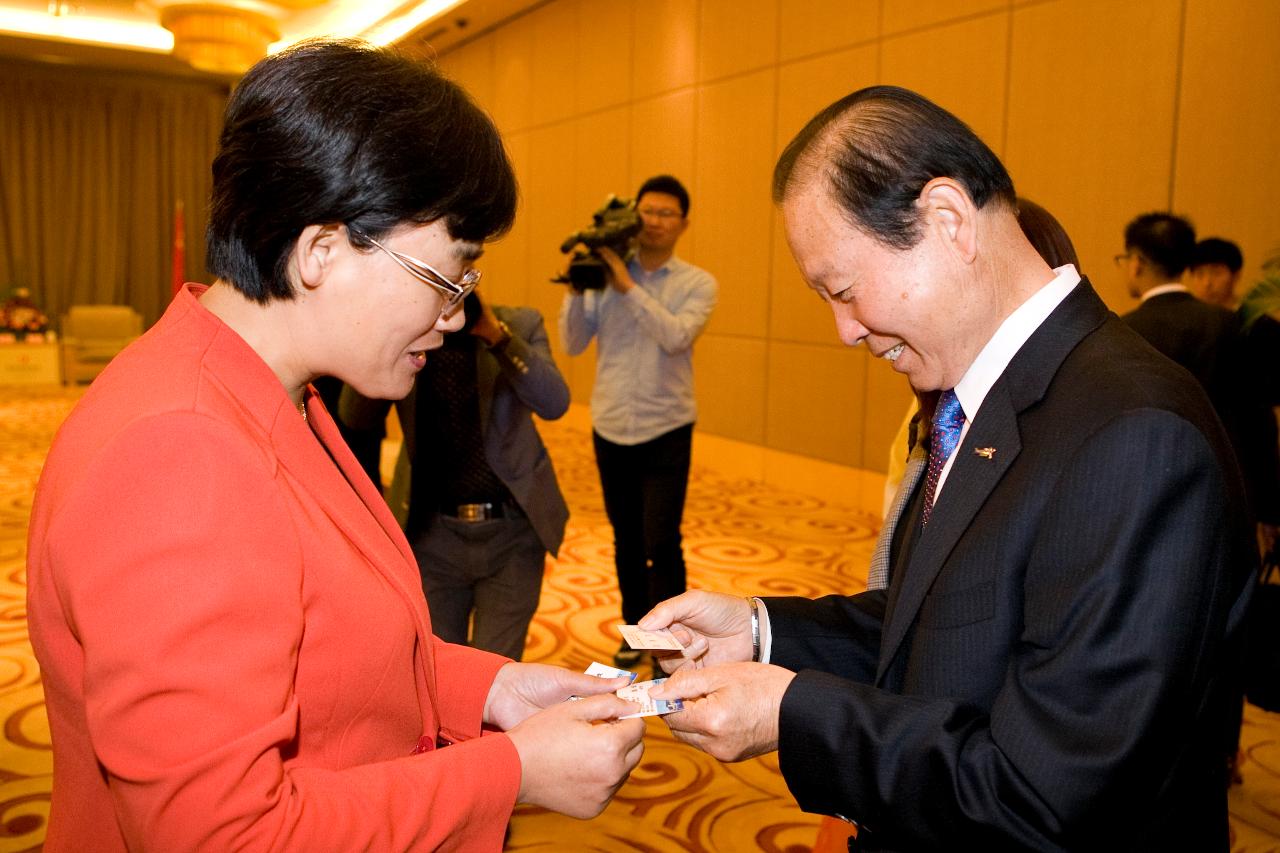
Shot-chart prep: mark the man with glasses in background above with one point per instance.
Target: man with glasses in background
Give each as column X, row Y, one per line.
column 642, row 406
column 483, row 515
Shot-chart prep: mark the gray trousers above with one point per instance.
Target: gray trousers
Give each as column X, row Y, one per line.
column 492, row 569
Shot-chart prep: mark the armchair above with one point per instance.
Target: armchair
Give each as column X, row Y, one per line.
column 91, row 337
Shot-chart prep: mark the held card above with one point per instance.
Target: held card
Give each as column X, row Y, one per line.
column 638, row 638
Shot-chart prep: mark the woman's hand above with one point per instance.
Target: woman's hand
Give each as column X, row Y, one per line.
column 522, row 689
column 574, row 756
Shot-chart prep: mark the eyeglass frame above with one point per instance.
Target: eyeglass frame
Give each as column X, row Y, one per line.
column 660, row 212
column 452, row 291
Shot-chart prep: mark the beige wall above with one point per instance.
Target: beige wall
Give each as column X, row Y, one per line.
column 1102, row 109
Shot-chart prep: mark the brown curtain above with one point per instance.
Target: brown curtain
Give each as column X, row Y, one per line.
column 92, row 165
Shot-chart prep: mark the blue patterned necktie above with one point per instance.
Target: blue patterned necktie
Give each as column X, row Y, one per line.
column 948, row 420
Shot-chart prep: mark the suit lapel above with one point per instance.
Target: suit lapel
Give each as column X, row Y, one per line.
column 975, row 475
column 350, row 506
column 969, row 483
column 349, row 499
column 233, row 363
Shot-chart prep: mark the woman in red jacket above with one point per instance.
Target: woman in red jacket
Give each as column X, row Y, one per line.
column 234, row 642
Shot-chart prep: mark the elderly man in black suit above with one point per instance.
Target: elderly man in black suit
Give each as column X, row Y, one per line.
column 1044, row 669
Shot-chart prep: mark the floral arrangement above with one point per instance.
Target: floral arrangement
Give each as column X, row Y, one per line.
column 20, row 318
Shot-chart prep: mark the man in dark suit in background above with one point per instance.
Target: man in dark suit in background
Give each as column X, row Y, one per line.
column 1044, row 670
column 474, row 487
column 1214, row 271
column 1237, row 366
column 1199, row 336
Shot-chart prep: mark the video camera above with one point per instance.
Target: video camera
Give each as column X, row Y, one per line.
column 613, row 225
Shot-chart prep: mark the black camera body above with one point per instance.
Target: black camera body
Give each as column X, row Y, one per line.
column 613, row 225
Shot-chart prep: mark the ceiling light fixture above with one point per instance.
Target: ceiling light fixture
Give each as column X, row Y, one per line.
column 225, row 36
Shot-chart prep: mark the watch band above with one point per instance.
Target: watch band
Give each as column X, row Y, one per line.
column 506, row 335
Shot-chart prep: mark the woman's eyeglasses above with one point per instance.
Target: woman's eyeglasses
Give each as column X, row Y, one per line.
column 452, row 291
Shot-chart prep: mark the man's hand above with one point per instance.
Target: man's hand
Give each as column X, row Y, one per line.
column 713, row 628
column 486, row 327
column 575, row 755
column 520, row 690
column 730, row 711
column 619, row 278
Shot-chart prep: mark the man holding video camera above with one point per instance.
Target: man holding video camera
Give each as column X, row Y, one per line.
column 645, row 321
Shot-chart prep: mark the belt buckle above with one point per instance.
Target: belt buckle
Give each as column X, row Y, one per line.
column 475, row 512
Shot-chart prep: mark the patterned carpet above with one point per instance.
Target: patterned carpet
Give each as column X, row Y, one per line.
column 740, row 535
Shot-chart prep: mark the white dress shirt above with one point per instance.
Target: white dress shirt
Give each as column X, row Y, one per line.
column 991, row 362
column 1162, row 289
column 977, row 381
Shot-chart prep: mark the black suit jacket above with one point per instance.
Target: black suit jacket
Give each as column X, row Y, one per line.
column 1199, row 336
column 1239, row 370
column 1044, row 670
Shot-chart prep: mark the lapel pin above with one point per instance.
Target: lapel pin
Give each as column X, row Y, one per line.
column 985, row 452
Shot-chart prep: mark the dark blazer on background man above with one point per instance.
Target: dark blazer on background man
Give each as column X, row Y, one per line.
column 1238, row 368
column 513, row 386
column 1195, row 334
column 1043, row 671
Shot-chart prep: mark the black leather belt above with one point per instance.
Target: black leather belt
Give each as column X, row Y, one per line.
column 481, row 511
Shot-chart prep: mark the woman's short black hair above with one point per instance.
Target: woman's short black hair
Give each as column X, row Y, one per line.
column 1046, row 234
column 878, row 147
column 341, row 132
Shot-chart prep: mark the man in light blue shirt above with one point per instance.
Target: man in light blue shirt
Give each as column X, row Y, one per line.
column 643, row 408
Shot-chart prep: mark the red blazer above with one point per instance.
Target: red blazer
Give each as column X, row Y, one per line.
column 234, row 642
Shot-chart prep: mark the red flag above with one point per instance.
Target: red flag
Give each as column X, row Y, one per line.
column 179, row 248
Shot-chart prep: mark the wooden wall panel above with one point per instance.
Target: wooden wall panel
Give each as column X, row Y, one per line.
column 729, row 378
column 735, row 36
column 1226, row 178
column 733, row 169
column 1101, row 110
column 603, row 46
column 809, row 27
column 662, row 142
column 1090, row 133
column 808, row 86
column 555, row 62
column 816, row 401
column 512, row 75
column 804, row 88
column 961, row 67
column 506, row 261
column 665, row 53
column 472, row 65
column 900, row 15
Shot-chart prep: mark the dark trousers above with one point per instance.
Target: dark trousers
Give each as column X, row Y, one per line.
column 486, row 574
column 644, row 488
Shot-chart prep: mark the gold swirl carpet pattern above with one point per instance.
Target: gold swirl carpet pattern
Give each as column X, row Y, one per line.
column 740, row 536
